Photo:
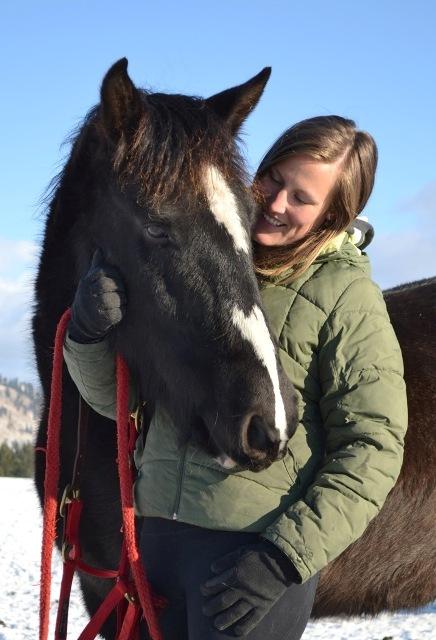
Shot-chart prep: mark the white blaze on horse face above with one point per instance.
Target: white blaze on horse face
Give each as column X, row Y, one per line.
column 253, row 328
column 223, row 205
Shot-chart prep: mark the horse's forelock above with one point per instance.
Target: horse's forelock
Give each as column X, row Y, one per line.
column 165, row 155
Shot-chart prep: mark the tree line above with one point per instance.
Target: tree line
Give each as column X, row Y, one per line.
column 23, row 389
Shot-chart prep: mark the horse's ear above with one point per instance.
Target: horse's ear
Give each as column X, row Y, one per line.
column 235, row 104
column 121, row 102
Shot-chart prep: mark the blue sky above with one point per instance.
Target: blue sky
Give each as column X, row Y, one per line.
column 373, row 61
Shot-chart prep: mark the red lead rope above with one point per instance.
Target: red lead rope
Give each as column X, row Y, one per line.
column 51, row 476
column 139, row 578
column 51, row 493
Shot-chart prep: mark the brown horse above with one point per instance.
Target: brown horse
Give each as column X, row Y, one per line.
column 393, row 565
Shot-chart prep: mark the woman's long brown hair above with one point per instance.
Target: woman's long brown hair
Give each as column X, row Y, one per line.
column 327, row 139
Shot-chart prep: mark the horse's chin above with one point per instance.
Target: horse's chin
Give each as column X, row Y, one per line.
column 247, row 464
column 200, row 435
column 225, row 461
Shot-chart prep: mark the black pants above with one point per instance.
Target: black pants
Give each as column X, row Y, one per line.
column 177, row 558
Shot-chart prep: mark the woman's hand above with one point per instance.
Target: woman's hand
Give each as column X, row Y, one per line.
column 248, row 582
column 99, row 303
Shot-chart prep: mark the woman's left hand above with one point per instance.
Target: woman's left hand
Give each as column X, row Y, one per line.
column 247, row 584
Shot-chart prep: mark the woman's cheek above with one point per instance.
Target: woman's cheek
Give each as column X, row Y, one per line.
column 303, row 218
column 296, row 219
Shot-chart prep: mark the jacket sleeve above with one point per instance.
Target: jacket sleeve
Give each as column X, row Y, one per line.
column 364, row 413
column 92, row 368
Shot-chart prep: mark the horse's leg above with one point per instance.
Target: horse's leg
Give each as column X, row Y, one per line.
column 100, row 524
column 94, row 591
column 100, row 527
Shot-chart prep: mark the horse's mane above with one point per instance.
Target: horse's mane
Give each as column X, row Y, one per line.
column 410, row 285
column 167, row 150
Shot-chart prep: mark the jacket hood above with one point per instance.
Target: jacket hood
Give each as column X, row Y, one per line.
column 349, row 245
column 342, row 248
column 361, row 232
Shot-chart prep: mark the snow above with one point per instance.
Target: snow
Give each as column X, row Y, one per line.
column 20, row 545
column 20, row 540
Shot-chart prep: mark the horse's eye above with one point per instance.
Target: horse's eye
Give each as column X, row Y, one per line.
column 157, row 232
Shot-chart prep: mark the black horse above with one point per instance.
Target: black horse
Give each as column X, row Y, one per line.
column 157, row 183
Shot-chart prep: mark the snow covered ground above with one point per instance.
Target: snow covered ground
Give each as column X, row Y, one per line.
column 20, row 539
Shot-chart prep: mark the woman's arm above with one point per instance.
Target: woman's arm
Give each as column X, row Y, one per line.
column 364, row 411
column 92, row 368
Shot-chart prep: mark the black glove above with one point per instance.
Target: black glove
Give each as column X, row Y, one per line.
column 249, row 581
column 99, row 303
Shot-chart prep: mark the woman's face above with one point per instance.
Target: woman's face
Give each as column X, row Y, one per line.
column 296, row 192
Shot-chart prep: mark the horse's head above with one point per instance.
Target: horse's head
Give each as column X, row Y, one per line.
column 172, row 209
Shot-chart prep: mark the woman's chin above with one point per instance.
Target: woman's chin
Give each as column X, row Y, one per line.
column 267, row 234
column 268, row 238
column 265, row 239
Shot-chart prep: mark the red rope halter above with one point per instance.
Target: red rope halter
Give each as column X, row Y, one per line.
column 51, row 483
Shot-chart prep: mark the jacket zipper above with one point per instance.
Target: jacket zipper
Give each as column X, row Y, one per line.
column 180, row 483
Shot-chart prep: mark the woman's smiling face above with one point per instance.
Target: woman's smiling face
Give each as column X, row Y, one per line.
column 297, row 194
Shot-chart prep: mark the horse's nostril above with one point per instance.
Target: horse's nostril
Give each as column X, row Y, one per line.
column 256, row 436
column 259, row 435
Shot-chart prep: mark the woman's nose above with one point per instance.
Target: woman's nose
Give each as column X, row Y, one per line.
column 278, row 201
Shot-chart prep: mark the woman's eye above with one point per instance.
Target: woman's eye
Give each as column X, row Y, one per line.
column 274, row 178
column 298, row 199
column 157, row 232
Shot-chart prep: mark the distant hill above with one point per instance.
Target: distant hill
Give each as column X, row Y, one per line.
column 19, row 411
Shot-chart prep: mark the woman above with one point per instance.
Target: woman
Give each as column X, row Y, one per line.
column 339, row 350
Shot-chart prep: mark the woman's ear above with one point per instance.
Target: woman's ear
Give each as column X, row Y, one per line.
column 327, row 220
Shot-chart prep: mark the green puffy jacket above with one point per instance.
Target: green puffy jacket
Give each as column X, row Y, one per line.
column 339, row 350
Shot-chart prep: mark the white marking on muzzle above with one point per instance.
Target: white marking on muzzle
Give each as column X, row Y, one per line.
column 223, row 205
column 225, row 461
column 254, row 329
